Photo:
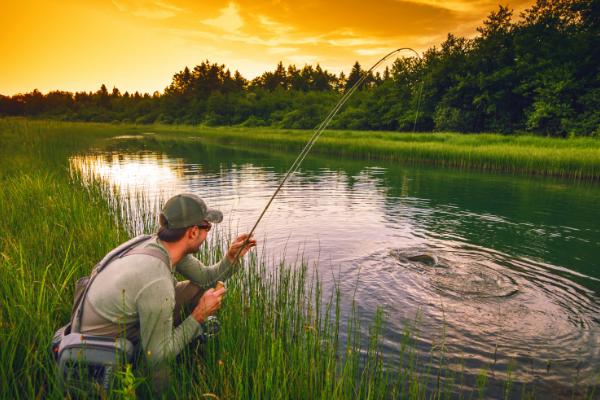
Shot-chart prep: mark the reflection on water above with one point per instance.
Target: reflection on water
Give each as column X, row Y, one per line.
column 131, row 173
column 505, row 267
column 147, row 178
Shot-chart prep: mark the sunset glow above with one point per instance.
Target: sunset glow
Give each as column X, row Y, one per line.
column 140, row 44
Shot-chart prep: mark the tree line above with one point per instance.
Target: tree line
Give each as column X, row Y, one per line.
column 537, row 73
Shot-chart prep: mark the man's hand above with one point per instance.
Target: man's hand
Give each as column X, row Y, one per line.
column 236, row 247
column 208, row 304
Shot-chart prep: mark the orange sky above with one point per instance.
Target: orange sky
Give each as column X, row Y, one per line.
column 139, row 44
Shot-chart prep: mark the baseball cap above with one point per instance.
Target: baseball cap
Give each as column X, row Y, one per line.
column 187, row 209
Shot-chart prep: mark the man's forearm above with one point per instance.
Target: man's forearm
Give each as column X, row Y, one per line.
column 205, row 276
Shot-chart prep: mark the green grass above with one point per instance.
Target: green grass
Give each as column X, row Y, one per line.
column 576, row 158
column 280, row 335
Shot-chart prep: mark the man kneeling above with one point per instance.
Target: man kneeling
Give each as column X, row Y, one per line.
column 137, row 296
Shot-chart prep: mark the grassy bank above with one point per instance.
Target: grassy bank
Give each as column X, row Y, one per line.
column 280, row 335
column 577, row 158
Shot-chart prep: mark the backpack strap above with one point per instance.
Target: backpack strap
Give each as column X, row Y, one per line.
column 125, row 249
column 119, row 251
column 149, row 251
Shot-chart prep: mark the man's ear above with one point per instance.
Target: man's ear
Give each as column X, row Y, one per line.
column 189, row 233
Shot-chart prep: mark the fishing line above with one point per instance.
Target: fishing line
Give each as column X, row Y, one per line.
column 317, row 133
column 418, row 104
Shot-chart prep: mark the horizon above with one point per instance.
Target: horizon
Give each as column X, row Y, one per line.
column 67, row 45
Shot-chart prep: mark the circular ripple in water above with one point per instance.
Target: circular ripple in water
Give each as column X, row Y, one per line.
column 489, row 306
column 470, row 279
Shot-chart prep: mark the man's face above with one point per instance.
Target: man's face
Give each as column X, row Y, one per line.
column 197, row 236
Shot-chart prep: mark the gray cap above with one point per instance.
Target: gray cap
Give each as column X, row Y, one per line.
column 188, row 209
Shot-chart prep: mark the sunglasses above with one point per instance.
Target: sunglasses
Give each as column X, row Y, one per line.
column 205, row 225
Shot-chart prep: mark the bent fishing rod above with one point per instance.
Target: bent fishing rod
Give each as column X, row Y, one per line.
column 317, row 133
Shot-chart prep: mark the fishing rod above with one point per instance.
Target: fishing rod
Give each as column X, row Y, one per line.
column 317, row 133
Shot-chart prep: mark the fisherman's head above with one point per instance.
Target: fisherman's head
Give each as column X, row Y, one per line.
column 187, row 217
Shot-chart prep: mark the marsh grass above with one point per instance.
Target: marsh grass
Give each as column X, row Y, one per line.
column 575, row 158
column 281, row 335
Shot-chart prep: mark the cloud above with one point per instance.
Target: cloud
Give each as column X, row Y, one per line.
column 303, row 59
column 229, row 20
column 457, row 5
column 373, row 51
column 333, row 33
column 151, row 9
column 345, row 41
column 168, row 6
column 274, row 27
column 247, row 38
column 282, row 50
column 340, row 26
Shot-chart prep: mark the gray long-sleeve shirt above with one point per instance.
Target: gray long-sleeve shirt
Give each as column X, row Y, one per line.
column 135, row 295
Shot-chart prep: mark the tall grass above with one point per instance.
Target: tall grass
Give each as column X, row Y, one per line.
column 281, row 337
column 573, row 158
column 52, row 233
column 577, row 158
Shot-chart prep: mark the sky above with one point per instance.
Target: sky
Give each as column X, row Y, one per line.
column 138, row 45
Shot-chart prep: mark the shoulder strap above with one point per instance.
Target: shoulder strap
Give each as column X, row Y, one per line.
column 120, row 250
column 117, row 252
column 149, row 251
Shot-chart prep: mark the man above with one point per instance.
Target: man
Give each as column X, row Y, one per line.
column 138, row 295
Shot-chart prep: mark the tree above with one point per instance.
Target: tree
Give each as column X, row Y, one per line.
column 355, row 74
column 102, row 97
column 116, row 93
column 273, row 80
column 239, row 81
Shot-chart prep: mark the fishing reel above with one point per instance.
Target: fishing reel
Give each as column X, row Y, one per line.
column 211, row 326
column 210, row 329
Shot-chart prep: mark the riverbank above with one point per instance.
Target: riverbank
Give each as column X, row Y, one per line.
column 280, row 334
column 575, row 158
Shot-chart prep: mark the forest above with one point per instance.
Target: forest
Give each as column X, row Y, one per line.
column 538, row 72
